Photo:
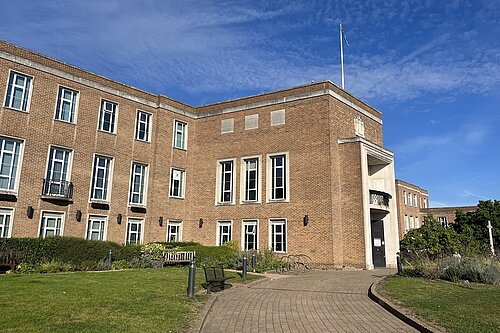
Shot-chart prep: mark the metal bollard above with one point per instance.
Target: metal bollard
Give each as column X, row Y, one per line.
column 110, row 257
column 254, row 260
column 244, row 266
column 399, row 263
column 191, row 276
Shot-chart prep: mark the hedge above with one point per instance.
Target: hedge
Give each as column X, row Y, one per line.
column 214, row 255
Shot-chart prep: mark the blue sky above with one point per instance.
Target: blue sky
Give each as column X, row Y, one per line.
column 431, row 67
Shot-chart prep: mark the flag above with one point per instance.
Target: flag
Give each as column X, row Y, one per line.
column 345, row 38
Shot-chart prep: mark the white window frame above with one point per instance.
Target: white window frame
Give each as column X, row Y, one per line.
column 143, row 190
column 103, row 219
column 148, row 124
column 29, row 87
column 417, row 222
column 244, row 224
column 220, row 183
column 177, row 224
column 407, row 223
column 140, row 222
column 270, row 178
column 182, row 187
column 6, row 211
column 73, row 104
column 220, row 225
column 443, row 220
column 272, row 223
column 405, row 200
column 17, row 174
column 412, row 222
column 415, row 200
column 102, row 112
column 49, row 167
column 53, row 214
column 183, row 132
column 107, row 189
column 243, row 179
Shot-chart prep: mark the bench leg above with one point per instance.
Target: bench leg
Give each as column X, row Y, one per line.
column 209, row 288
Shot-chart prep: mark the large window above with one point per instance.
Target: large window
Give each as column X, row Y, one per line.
column 224, row 232
column 101, row 178
column 96, row 228
column 278, row 177
column 143, row 126
column 174, row 231
column 415, row 201
column 58, row 173
column 5, row 222
column 10, row 151
column 180, row 135
column 177, row 183
column 66, row 105
column 18, row 91
column 277, row 235
column 251, row 180
column 107, row 116
column 138, row 181
column 443, row 221
column 134, row 231
column 51, row 225
column 405, row 200
column 225, row 180
column 250, row 235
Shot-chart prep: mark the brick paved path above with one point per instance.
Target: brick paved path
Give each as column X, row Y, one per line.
column 318, row 301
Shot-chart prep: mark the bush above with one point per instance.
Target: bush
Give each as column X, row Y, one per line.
column 120, row 264
column 224, row 256
column 54, row 267
column 25, row 268
column 266, row 261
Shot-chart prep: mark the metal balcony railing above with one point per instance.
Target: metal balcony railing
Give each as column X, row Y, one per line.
column 57, row 189
column 379, row 198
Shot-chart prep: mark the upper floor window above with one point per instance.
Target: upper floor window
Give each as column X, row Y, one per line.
column 174, row 231
column 424, row 201
column 5, row 222
column 52, row 224
column 180, row 135
column 225, row 179
column 224, row 232
column 405, row 200
column 10, row 151
column 251, row 179
column 415, row 201
column 66, row 105
column 58, row 173
column 96, row 228
column 101, row 178
column 143, row 126
column 107, row 116
column 177, row 183
column 138, row 180
column 278, row 177
column 18, row 91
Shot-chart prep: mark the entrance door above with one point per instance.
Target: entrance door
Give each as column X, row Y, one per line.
column 378, row 243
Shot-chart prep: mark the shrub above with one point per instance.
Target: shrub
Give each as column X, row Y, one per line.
column 54, row 267
column 121, row 264
column 266, row 260
column 25, row 268
column 224, row 256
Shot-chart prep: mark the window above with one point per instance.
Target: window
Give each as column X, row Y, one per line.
column 52, row 224
column 107, row 116
column 10, row 151
column 100, row 178
column 407, row 223
column 96, row 228
column 405, row 200
column 417, row 222
column 252, row 121
column 5, row 222
column 277, row 117
column 177, row 183
column 180, row 135
column 138, row 182
column 225, row 182
column 227, row 126
column 134, row 231
column 412, row 223
column 174, row 232
column 443, row 221
column 18, row 91
column 278, row 177
column 58, row 172
column 251, row 179
column 66, row 105
column 223, row 232
column 142, row 126
column 249, row 235
column 277, row 235
column 415, row 201
column 424, row 202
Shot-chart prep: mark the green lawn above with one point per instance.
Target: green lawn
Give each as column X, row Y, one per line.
column 452, row 306
column 139, row 300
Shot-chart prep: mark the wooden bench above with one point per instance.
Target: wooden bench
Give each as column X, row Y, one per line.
column 8, row 260
column 178, row 257
column 214, row 276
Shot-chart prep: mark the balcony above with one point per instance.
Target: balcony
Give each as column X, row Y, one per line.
column 379, row 200
column 57, row 190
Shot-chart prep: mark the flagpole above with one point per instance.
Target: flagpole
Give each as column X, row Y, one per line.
column 341, row 55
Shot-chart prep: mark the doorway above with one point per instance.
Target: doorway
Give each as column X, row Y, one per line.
column 378, row 243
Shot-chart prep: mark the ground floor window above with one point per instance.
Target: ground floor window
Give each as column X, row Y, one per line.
column 443, row 221
column 134, row 231
column 96, row 227
column 5, row 222
column 51, row 225
column 249, row 235
column 174, row 231
column 277, row 235
column 224, row 232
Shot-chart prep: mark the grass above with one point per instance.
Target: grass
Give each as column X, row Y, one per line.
column 138, row 300
column 449, row 305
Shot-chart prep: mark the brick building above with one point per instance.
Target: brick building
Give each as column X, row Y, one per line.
column 410, row 199
column 446, row 215
column 300, row 170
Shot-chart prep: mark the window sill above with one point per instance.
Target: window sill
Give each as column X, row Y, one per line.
column 178, row 148
column 250, row 202
column 225, row 204
column 65, row 122
column 13, row 109
column 178, row 198
column 102, row 131
column 143, row 141
column 278, row 201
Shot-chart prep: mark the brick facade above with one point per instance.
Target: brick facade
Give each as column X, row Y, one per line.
column 332, row 142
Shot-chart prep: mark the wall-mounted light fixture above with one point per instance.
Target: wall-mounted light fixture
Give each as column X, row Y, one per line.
column 200, row 223
column 119, row 218
column 306, row 220
column 30, row 212
column 160, row 221
column 78, row 215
